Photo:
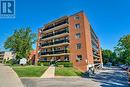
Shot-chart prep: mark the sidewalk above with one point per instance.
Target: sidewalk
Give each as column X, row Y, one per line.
column 49, row 73
column 8, row 78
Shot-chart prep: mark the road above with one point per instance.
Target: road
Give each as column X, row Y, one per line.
column 108, row 77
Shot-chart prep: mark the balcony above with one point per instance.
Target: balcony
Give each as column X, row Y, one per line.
column 2, row 52
column 55, row 53
column 46, row 44
column 58, row 24
column 62, row 31
column 61, row 41
column 46, row 53
column 95, row 48
column 97, row 62
column 96, row 56
column 54, row 43
column 1, row 58
column 94, row 43
column 49, row 35
column 60, row 51
column 56, row 33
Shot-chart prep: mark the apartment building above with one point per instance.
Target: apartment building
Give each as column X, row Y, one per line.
column 2, row 56
column 6, row 55
column 69, row 38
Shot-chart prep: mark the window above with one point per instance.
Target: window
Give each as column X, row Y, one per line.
column 76, row 17
column 78, row 35
column 79, row 58
column 77, row 26
column 79, row 46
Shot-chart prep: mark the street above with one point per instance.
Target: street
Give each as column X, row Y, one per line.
column 108, row 77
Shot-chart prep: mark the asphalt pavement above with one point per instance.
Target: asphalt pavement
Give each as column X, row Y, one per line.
column 108, row 77
column 112, row 77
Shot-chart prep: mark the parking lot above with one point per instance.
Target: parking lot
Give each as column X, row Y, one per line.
column 112, row 77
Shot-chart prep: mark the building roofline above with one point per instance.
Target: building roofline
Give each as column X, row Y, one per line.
column 56, row 20
column 77, row 13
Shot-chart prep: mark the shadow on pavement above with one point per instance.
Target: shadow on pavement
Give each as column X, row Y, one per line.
column 116, row 78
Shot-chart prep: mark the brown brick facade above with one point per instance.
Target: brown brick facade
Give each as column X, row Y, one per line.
column 70, row 38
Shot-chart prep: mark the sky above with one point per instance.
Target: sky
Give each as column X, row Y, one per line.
column 110, row 19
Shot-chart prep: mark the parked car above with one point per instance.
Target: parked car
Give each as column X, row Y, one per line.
column 109, row 64
column 128, row 75
column 124, row 67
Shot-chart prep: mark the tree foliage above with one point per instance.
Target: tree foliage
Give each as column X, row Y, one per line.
column 21, row 42
column 123, row 49
column 109, row 56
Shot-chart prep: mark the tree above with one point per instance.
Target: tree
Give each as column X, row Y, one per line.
column 21, row 42
column 123, row 49
column 109, row 56
column 106, row 54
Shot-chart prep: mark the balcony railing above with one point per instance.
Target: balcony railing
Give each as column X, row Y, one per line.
column 63, row 22
column 97, row 61
column 56, row 33
column 56, row 42
column 47, row 44
column 95, row 47
column 96, row 56
column 45, row 53
column 61, row 41
column 61, row 32
column 54, row 52
column 60, row 51
column 49, row 35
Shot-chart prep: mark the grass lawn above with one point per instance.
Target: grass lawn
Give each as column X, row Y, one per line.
column 67, row 71
column 29, row 71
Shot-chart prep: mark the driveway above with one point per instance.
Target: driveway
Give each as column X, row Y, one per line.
column 112, row 77
column 8, row 78
column 108, row 77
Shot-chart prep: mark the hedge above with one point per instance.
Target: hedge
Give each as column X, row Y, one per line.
column 58, row 63
column 47, row 63
column 64, row 63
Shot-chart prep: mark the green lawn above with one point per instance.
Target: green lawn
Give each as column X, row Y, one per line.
column 67, row 71
column 29, row 71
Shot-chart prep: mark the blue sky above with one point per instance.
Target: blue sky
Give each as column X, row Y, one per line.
column 110, row 19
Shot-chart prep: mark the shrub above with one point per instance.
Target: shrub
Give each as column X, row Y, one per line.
column 29, row 62
column 10, row 62
column 46, row 63
column 64, row 63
